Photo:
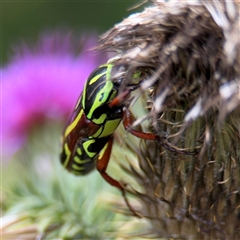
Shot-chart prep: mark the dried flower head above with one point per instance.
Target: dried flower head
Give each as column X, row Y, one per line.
column 191, row 183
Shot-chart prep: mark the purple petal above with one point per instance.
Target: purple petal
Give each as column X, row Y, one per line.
column 43, row 83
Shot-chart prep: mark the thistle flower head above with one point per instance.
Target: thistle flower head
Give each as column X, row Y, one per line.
column 190, row 178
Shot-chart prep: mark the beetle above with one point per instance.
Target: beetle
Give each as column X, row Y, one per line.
column 88, row 138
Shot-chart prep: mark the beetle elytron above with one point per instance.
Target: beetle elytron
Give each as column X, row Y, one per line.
column 88, row 137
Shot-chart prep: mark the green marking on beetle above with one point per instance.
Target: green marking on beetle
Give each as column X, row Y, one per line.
column 101, row 119
column 80, row 161
column 79, row 151
column 78, row 173
column 97, row 134
column 93, row 80
column 114, row 94
column 76, row 167
column 109, row 127
column 86, row 145
column 68, row 154
column 108, row 72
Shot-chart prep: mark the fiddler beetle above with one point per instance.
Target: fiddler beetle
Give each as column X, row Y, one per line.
column 88, row 138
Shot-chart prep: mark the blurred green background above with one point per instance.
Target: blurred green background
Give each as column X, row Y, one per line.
column 24, row 20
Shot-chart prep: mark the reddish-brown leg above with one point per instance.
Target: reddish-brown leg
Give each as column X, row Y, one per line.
column 117, row 101
column 128, row 120
column 102, row 164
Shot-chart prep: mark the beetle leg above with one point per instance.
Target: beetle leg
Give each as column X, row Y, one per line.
column 102, row 164
column 117, row 101
column 128, row 120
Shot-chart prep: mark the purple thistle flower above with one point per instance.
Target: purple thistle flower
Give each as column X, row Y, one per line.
column 42, row 83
